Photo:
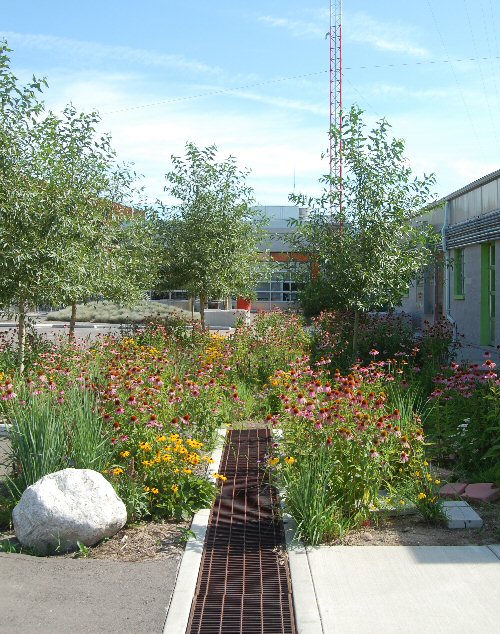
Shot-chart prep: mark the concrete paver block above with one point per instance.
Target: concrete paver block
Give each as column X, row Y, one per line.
column 482, row 491
column 495, row 548
column 461, row 515
column 452, row 489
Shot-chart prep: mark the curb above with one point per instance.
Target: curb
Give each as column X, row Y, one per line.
column 307, row 614
column 179, row 607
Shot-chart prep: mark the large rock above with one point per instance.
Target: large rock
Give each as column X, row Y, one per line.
column 66, row 507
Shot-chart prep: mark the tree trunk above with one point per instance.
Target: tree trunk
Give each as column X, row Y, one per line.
column 228, row 303
column 21, row 335
column 355, row 334
column 203, row 299
column 72, row 321
column 191, row 306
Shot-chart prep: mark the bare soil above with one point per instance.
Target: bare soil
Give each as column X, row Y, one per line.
column 412, row 530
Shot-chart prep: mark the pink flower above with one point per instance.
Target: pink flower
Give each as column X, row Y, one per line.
column 404, row 457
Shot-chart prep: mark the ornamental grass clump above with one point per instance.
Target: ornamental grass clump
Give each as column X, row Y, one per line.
column 51, row 431
column 347, row 441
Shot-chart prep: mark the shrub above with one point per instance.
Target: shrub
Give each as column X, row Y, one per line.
column 269, row 343
column 464, row 424
column 389, row 334
column 343, row 442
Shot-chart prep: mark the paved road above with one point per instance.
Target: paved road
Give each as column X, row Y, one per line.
column 57, row 595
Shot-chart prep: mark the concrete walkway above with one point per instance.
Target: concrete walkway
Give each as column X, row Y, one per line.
column 396, row 589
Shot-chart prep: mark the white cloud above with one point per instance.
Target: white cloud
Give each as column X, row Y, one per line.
column 297, row 28
column 97, row 52
column 384, row 36
column 272, row 142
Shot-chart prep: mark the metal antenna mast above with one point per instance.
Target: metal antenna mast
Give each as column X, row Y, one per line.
column 336, row 98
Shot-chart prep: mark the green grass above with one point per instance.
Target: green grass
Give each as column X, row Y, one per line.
column 46, row 437
column 108, row 312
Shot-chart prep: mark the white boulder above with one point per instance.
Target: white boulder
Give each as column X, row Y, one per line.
column 66, row 507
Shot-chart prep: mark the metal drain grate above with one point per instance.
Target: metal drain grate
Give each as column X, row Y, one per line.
column 244, row 585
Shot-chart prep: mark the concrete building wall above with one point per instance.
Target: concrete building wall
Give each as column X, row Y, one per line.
column 467, row 312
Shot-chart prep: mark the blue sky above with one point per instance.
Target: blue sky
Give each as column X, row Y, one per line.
column 252, row 78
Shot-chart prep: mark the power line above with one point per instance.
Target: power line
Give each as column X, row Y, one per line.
column 481, row 74
column 466, row 108
column 221, row 91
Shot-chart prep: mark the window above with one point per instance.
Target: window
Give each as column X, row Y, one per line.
column 458, row 267
column 280, row 288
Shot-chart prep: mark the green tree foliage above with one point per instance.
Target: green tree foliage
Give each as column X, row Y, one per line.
column 363, row 235
column 63, row 231
column 211, row 236
column 109, row 247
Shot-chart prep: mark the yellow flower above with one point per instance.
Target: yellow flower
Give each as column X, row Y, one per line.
column 422, row 496
column 146, row 489
column 188, row 471
column 429, row 477
column 219, row 476
column 273, row 461
column 418, row 474
column 117, row 471
column 125, row 454
column 403, row 502
column 426, row 464
column 154, row 491
column 290, row 460
column 145, row 446
column 161, row 438
column 437, row 481
column 208, row 459
column 175, row 488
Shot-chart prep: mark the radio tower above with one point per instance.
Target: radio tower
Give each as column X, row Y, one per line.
column 336, row 99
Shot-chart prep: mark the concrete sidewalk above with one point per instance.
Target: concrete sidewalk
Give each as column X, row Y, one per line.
column 396, row 589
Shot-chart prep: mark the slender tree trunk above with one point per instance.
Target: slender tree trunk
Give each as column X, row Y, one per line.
column 227, row 303
column 72, row 321
column 191, row 306
column 21, row 336
column 203, row 299
column 355, row 334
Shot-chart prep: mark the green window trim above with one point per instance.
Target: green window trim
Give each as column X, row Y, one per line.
column 488, row 284
column 459, row 275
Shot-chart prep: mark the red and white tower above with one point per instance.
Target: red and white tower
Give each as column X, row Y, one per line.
column 336, row 95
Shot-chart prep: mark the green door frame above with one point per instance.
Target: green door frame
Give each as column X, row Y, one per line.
column 488, row 294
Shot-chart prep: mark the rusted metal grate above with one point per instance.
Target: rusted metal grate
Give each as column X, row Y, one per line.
column 244, row 584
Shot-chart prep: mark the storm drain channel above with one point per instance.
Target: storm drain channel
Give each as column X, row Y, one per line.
column 244, row 582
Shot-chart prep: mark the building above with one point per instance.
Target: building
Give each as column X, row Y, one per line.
column 463, row 285
column 280, row 289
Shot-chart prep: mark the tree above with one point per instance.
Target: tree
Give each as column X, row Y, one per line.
column 211, row 236
column 109, row 247
column 363, row 232
column 63, row 236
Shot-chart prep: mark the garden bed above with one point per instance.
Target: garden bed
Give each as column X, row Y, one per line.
column 409, row 529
